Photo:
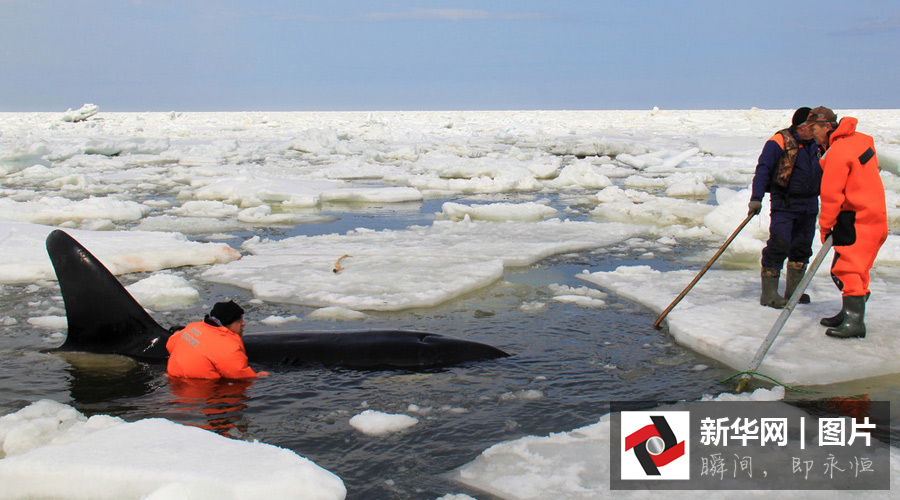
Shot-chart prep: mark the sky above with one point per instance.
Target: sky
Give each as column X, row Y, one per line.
column 366, row 55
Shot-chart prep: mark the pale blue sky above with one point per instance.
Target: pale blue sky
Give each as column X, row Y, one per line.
column 274, row 55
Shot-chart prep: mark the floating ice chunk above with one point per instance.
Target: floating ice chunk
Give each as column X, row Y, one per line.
column 581, row 174
column 678, row 159
column 206, row 208
column 688, row 187
column 81, row 114
column 357, row 169
column 192, row 225
column 106, row 458
column 57, row 323
column 113, row 146
column 164, row 292
column 719, row 145
column 336, row 314
column 279, row 320
column 375, row 423
column 609, row 145
column 762, row 394
column 582, row 296
column 562, row 465
column 45, row 422
column 440, row 171
column 57, row 210
column 584, row 291
column 263, row 215
column 721, row 318
column 530, row 211
column 121, row 252
column 643, row 182
column 372, row 195
column 630, row 205
column 728, row 214
column 323, row 140
column 523, row 395
column 252, row 190
column 889, row 158
column 631, row 161
column 532, row 306
column 581, row 301
column 575, row 464
column 22, row 157
column 544, row 170
column 450, row 259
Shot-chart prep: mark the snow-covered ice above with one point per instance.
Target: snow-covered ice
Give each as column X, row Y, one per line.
column 50, row 450
column 134, row 187
column 25, row 257
column 575, row 465
column 416, row 267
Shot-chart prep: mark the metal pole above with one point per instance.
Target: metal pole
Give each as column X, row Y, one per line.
column 702, row 272
column 785, row 314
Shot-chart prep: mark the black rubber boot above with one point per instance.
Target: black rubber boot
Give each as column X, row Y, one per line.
column 838, row 318
column 769, row 296
column 833, row 321
column 854, row 325
column 795, row 273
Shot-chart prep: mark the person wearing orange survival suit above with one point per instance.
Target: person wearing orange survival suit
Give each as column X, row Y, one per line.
column 211, row 348
column 853, row 211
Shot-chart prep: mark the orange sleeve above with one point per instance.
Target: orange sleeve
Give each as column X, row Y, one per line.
column 232, row 361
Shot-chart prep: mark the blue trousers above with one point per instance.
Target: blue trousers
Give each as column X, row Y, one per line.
column 790, row 237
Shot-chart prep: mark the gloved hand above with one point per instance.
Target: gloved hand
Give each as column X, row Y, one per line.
column 843, row 232
column 824, row 232
column 754, row 208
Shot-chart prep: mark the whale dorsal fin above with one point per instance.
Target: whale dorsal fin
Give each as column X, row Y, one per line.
column 103, row 317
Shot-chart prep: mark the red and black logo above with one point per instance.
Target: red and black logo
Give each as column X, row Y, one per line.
column 654, row 445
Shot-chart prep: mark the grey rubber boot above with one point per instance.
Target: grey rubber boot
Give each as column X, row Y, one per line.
column 838, row 318
column 853, row 325
column 795, row 273
column 769, row 296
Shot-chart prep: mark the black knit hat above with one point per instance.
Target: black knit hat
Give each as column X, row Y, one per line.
column 800, row 116
column 226, row 312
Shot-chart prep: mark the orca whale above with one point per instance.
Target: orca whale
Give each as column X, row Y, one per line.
column 104, row 318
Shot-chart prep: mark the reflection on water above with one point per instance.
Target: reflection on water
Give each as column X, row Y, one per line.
column 100, row 378
column 220, row 402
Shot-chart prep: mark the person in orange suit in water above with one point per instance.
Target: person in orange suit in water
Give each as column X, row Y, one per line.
column 212, row 348
column 853, row 211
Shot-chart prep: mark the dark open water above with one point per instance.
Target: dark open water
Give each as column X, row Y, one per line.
column 567, row 364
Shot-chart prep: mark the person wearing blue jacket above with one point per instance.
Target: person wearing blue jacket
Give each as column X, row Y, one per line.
column 788, row 169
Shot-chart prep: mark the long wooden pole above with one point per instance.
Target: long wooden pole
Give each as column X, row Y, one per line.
column 702, row 271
